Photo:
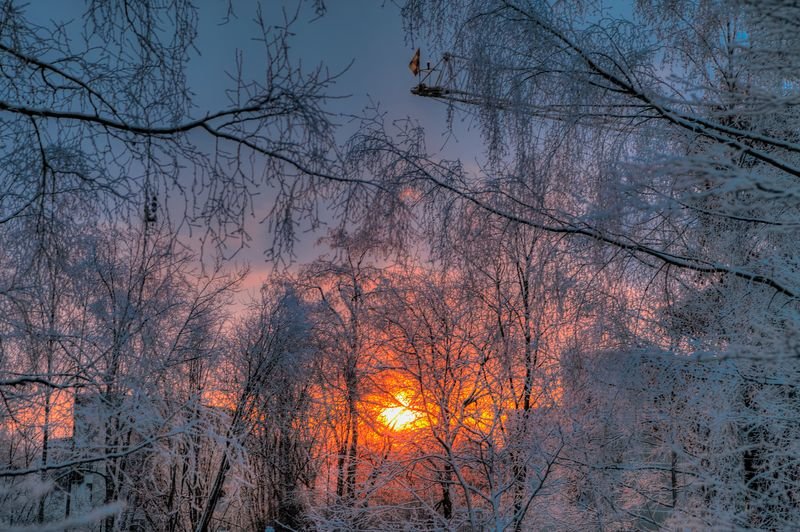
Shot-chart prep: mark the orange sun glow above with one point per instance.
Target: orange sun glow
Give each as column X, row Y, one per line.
column 401, row 416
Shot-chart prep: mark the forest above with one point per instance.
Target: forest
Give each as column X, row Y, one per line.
column 593, row 325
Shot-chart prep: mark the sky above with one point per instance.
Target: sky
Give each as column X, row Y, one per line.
column 362, row 39
column 365, row 40
column 364, row 34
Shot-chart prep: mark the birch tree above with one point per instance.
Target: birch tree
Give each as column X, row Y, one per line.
column 674, row 125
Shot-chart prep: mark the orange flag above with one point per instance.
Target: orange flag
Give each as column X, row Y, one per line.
column 414, row 64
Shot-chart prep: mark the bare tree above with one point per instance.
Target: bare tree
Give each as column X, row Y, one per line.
column 112, row 91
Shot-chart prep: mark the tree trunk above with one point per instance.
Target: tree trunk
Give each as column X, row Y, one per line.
column 216, row 493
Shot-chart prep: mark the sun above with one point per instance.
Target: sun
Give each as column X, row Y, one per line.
column 400, row 417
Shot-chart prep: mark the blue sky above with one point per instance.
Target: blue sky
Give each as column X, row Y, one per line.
column 367, row 35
